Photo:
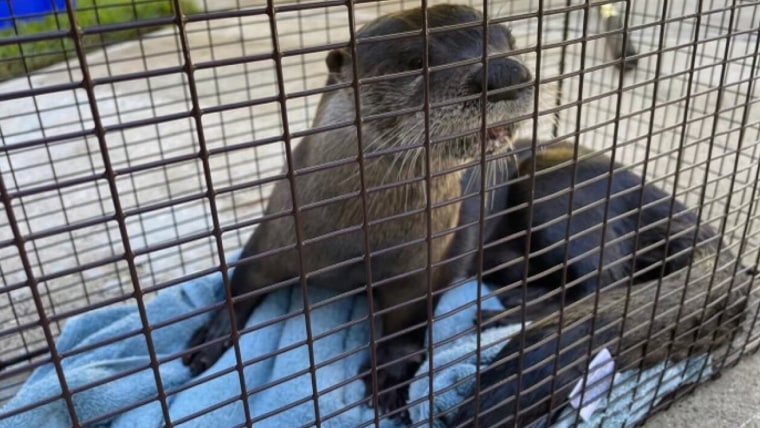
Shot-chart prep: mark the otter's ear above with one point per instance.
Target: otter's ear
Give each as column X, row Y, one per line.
column 336, row 59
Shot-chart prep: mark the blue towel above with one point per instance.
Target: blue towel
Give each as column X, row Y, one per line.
column 132, row 354
column 634, row 392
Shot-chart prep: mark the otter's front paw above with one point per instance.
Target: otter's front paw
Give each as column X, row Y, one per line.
column 203, row 358
column 395, row 367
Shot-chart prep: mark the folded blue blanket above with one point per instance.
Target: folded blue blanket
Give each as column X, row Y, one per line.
column 338, row 406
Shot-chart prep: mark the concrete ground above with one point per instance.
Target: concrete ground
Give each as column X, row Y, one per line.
column 733, row 400
column 127, row 105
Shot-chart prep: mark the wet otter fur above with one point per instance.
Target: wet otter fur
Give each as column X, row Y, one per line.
column 329, row 201
column 687, row 312
column 671, row 320
column 637, row 217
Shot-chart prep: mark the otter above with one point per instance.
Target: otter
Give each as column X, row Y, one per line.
column 640, row 332
column 639, row 216
column 651, row 305
column 329, row 201
column 690, row 313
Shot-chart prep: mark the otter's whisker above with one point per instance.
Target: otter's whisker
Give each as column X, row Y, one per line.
column 471, row 179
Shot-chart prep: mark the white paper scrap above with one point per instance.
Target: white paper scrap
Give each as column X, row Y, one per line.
column 598, row 383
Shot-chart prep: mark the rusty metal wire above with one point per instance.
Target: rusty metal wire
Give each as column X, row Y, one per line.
column 131, row 168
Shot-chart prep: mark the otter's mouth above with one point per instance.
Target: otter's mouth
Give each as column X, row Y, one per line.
column 498, row 137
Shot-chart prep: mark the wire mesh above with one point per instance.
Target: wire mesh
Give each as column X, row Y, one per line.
column 132, row 167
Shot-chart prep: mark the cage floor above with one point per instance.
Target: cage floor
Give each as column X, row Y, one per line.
column 124, row 103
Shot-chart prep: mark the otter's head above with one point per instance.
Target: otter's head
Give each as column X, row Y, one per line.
column 455, row 92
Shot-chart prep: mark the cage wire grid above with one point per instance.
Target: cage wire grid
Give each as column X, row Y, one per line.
column 686, row 117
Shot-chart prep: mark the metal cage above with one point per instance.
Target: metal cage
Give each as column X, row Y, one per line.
column 128, row 169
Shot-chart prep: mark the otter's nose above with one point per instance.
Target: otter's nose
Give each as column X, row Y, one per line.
column 502, row 73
